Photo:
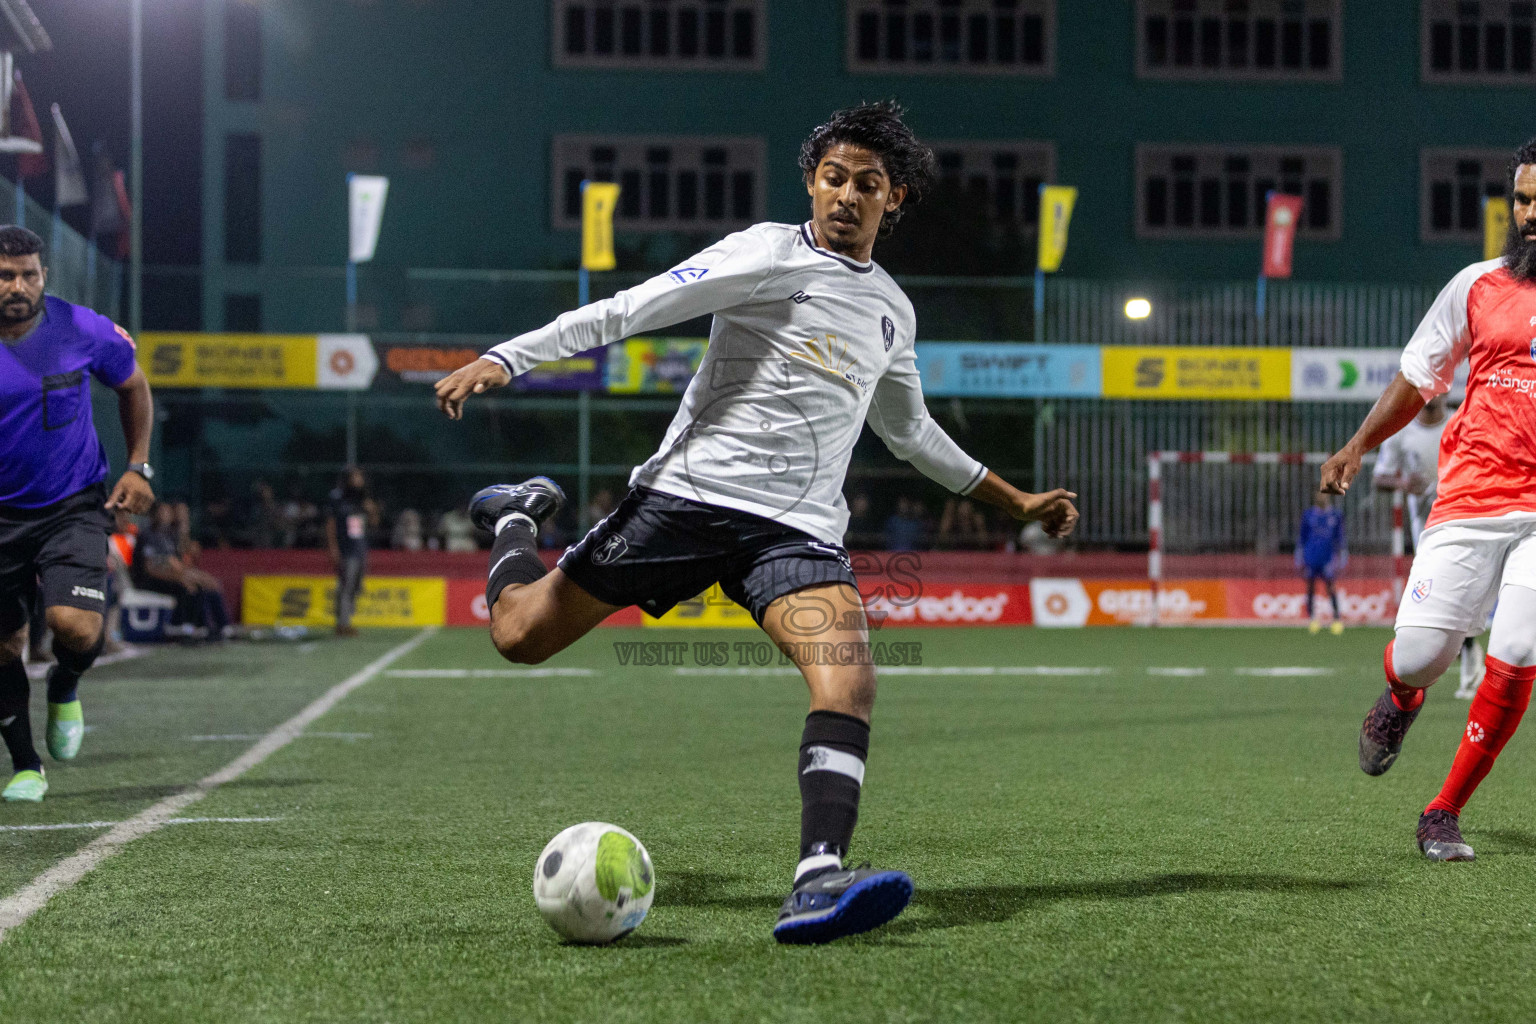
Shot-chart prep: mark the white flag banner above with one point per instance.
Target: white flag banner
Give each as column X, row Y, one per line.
column 68, row 174
column 365, row 194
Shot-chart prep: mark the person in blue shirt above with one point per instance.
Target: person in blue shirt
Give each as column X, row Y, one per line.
column 54, row 504
column 1321, row 552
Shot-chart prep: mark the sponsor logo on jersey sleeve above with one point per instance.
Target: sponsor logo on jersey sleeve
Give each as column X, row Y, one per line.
column 1421, row 590
column 888, row 332
column 683, row 275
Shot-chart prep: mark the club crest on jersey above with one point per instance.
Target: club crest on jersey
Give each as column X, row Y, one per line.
column 683, row 275
column 1421, row 590
column 610, row 550
column 888, row 332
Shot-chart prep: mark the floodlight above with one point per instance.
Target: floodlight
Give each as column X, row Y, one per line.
column 1138, row 309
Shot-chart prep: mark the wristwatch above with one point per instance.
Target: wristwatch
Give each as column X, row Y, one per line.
column 144, row 469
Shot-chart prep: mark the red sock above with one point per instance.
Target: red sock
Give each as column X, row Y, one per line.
column 1405, row 697
column 1495, row 715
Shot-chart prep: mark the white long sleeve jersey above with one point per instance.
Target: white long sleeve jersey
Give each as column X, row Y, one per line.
column 805, row 345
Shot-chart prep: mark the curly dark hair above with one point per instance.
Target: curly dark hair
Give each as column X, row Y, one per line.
column 1526, row 154
column 877, row 127
column 18, row 241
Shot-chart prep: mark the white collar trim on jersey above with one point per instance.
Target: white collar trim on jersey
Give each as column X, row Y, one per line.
column 853, row 265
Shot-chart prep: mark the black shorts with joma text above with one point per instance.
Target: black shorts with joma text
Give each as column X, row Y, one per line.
column 64, row 545
column 657, row 549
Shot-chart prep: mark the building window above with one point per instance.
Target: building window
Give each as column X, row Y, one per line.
column 242, row 198
column 667, row 34
column 1007, row 174
column 242, row 51
column 667, row 183
column 1240, row 39
column 1221, row 191
column 1487, row 41
column 242, row 314
column 1012, row 37
column 1452, row 186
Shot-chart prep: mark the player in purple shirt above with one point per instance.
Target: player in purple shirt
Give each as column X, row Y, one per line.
column 54, row 505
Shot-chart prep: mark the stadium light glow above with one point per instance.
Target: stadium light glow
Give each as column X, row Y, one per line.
column 1138, row 309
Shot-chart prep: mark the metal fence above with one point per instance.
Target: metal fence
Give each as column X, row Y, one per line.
column 1099, row 449
column 77, row 271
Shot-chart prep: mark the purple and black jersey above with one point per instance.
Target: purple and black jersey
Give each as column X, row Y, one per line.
column 48, row 444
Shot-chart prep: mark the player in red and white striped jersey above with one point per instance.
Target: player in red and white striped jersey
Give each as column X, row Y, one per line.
column 1479, row 543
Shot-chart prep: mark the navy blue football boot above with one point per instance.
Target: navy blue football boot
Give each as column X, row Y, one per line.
column 841, row 901
column 535, row 500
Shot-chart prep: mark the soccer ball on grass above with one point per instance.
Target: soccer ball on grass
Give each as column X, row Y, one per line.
column 594, row 883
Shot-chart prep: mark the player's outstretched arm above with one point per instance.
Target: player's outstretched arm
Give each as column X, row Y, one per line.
column 1398, row 405
column 478, row 377
column 1053, row 509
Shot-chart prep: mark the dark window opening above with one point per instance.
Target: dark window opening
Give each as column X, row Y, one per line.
column 242, row 198
column 242, row 314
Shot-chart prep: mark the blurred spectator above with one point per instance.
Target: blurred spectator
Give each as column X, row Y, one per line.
column 301, row 521
column 217, row 525
column 158, row 567
column 600, row 505
column 457, row 531
column 407, row 535
column 963, row 527
column 264, row 523
column 352, row 514
column 904, row 529
column 862, row 530
column 120, row 548
column 1036, row 541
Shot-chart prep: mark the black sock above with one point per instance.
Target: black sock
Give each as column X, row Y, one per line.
column 1333, row 596
column 514, row 559
column 833, row 749
column 64, row 677
column 1311, row 595
column 15, row 722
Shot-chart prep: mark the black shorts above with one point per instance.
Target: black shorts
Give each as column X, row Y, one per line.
column 64, row 545
column 656, row 550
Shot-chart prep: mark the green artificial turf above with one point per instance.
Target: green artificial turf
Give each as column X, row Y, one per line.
column 1122, row 846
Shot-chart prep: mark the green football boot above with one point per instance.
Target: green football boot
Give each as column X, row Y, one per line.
column 29, row 786
column 66, row 728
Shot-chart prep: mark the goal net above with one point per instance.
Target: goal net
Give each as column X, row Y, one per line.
column 1223, row 528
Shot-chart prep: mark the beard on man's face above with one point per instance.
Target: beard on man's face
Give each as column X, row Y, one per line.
column 1520, row 252
column 17, row 309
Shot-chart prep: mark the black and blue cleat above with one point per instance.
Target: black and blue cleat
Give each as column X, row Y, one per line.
column 535, row 499
column 842, row 902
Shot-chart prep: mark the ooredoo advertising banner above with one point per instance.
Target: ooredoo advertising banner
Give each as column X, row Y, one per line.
column 1078, row 602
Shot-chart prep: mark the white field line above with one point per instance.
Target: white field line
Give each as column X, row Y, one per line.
column 917, row 670
column 1179, row 671
column 487, row 673
column 37, row 670
column 32, row 897
column 109, row 824
column 218, row 737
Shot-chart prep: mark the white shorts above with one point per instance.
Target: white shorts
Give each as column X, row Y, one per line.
column 1459, row 568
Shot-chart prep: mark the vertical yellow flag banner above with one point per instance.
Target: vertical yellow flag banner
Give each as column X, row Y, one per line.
column 1495, row 226
column 598, row 199
column 1056, row 202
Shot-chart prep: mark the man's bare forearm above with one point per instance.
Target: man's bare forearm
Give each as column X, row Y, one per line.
column 136, row 410
column 1393, row 411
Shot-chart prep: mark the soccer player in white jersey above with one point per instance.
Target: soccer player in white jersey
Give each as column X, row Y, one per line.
column 1479, row 543
column 811, row 339
column 1410, row 463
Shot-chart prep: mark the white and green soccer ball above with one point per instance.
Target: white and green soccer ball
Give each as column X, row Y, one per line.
column 594, row 883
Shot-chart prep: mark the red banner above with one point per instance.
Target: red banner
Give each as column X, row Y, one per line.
column 1281, row 219
column 953, row 604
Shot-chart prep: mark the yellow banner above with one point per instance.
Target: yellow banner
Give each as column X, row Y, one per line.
column 598, row 199
column 311, row 601
column 1495, row 226
column 1056, row 202
column 710, row 610
column 229, row 360
column 1197, row 372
